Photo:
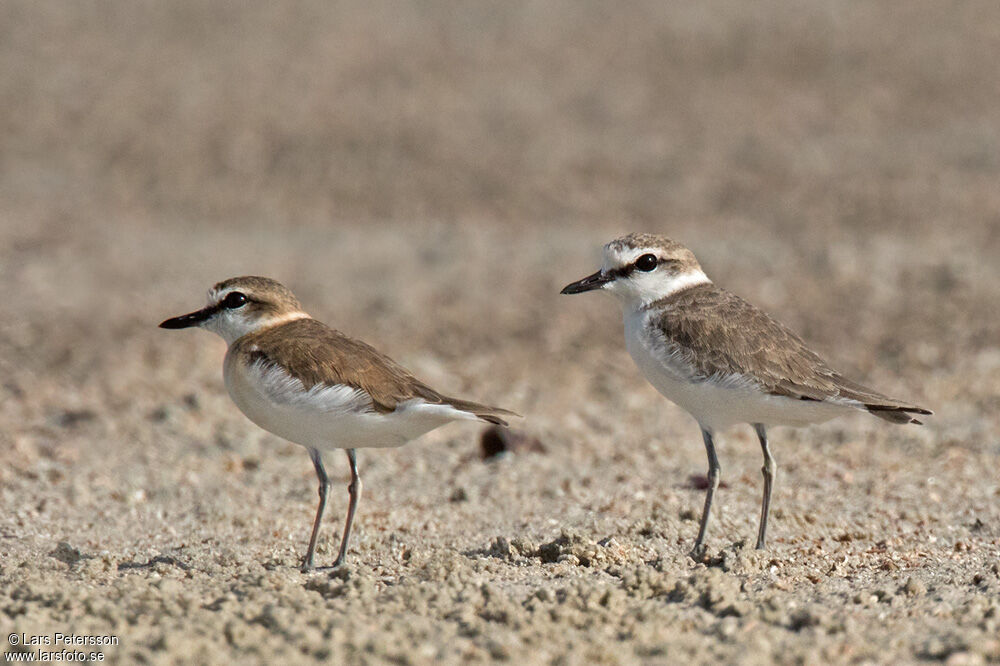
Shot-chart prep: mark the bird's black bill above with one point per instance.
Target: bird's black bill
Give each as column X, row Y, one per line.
column 589, row 283
column 192, row 319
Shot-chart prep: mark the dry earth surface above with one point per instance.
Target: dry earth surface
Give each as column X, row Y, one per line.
column 427, row 177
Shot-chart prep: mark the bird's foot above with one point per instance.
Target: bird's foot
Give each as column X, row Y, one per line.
column 699, row 553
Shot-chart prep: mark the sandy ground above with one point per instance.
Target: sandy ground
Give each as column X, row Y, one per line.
column 427, row 179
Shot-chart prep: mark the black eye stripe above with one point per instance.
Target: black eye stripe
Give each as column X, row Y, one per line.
column 627, row 270
column 624, row 271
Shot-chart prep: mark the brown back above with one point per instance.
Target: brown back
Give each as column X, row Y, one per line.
column 721, row 334
column 316, row 354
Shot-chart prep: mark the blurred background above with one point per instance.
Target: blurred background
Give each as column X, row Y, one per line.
column 775, row 139
column 426, row 176
column 818, row 157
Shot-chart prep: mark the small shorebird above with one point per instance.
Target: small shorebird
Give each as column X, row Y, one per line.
column 720, row 358
column 303, row 381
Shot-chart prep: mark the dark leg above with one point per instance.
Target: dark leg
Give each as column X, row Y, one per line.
column 324, row 485
column 768, row 471
column 713, row 483
column 355, row 491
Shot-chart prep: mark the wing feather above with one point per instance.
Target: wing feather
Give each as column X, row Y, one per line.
column 725, row 335
column 318, row 355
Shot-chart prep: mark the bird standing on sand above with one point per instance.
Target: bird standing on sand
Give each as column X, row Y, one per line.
column 720, row 358
column 301, row 380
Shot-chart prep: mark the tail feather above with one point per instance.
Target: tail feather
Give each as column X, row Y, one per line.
column 483, row 412
column 897, row 413
column 877, row 404
column 490, row 418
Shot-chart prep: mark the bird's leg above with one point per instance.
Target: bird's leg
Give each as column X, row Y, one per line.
column 324, row 485
column 355, row 492
column 713, row 483
column 768, row 471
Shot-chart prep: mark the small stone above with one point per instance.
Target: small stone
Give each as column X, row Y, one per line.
column 727, row 627
column 501, row 548
column 914, row 588
column 524, row 546
column 498, row 650
column 159, row 414
column 804, row 618
column 460, row 494
column 74, row 417
column 568, row 544
column 497, row 441
column 66, row 553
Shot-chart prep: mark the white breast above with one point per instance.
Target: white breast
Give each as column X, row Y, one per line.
column 325, row 417
column 715, row 402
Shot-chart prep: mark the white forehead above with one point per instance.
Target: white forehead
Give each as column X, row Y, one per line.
column 214, row 294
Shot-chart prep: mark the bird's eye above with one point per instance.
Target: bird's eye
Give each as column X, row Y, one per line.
column 646, row 262
column 233, row 300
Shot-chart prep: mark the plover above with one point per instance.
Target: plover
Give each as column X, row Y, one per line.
column 302, row 380
column 720, row 358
